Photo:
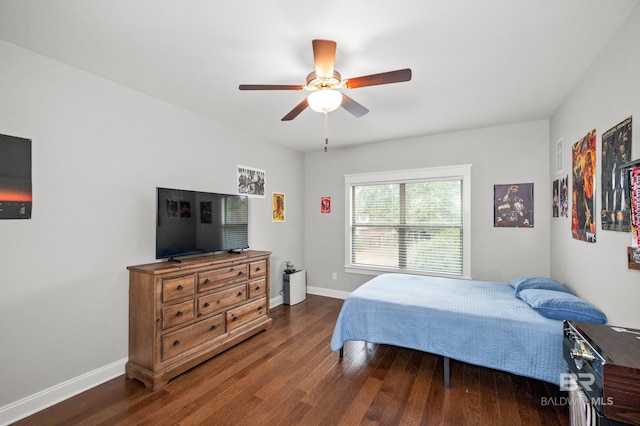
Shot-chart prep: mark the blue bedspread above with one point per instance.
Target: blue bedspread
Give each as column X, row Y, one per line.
column 476, row 322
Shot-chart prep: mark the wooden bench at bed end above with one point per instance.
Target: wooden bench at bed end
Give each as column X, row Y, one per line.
column 447, row 377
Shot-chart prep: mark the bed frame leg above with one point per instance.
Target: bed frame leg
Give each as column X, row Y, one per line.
column 447, row 381
column 341, row 352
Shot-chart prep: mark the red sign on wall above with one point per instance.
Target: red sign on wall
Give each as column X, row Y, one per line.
column 325, row 204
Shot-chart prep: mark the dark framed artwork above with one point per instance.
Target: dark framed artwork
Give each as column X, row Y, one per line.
column 513, row 205
column 16, row 197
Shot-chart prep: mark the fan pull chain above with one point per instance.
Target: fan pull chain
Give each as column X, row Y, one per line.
column 326, row 131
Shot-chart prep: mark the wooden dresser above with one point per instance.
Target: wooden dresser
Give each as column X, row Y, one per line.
column 181, row 314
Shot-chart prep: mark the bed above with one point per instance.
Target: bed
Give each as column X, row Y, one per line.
column 515, row 328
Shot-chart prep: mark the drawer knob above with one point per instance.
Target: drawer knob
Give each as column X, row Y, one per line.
column 206, row 305
column 257, row 287
column 240, row 272
column 176, row 342
column 180, row 288
column 234, row 318
column 259, row 308
column 213, row 327
column 206, row 280
column 258, row 269
column 239, row 294
column 179, row 314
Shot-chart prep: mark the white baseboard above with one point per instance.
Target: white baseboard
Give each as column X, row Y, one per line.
column 39, row 401
column 327, row 292
column 276, row 301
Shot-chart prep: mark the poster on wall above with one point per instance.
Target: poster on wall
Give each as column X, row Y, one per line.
column 555, row 199
column 615, row 209
column 15, row 178
column 251, row 182
column 635, row 203
column 325, row 204
column 513, row 205
column 564, row 196
column 278, row 207
column 583, row 155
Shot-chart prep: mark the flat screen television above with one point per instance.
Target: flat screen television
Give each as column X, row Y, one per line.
column 194, row 222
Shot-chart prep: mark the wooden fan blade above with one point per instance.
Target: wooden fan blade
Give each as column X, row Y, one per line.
column 296, row 111
column 270, row 87
column 324, row 57
column 353, row 107
column 382, row 78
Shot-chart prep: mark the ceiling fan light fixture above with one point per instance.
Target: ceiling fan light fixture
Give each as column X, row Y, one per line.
column 324, row 100
column 325, row 84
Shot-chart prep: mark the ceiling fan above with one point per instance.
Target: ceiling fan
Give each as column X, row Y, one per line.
column 324, row 82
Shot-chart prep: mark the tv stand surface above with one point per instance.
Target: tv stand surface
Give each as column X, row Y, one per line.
column 181, row 314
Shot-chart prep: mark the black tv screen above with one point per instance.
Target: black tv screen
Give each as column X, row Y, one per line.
column 194, row 222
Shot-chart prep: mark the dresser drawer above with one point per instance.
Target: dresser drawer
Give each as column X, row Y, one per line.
column 243, row 314
column 257, row 269
column 178, row 311
column 178, row 288
column 182, row 340
column 218, row 277
column 257, row 288
column 221, row 299
column 177, row 314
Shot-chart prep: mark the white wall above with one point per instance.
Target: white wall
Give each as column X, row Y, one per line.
column 99, row 151
column 608, row 93
column 499, row 155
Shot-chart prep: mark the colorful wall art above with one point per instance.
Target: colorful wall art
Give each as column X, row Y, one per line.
column 278, row 207
column 583, row 157
column 15, row 178
column 513, row 205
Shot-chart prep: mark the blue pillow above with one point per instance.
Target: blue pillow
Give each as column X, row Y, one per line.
column 562, row 306
column 541, row 283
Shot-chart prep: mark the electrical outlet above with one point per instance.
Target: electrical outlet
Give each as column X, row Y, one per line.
column 334, row 276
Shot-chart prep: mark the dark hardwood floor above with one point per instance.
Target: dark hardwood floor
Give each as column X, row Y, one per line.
column 288, row 375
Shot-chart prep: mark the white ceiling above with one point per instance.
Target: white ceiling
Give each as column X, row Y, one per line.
column 475, row 63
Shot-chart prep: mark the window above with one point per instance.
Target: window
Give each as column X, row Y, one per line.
column 413, row 221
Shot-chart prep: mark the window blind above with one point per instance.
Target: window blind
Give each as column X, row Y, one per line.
column 413, row 226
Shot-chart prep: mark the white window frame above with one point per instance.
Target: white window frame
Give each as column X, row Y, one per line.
column 462, row 172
